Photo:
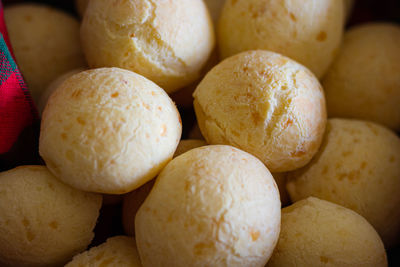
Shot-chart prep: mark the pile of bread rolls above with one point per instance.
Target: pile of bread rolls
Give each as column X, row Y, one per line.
column 293, row 159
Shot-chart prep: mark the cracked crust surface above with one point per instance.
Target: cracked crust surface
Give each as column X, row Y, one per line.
column 317, row 233
column 265, row 104
column 211, row 206
column 108, row 130
column 358, row 167
column 166, row 41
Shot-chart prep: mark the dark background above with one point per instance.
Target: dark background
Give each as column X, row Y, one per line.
column 109, row 224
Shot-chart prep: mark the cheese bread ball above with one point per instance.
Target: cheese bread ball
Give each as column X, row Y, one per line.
column 43, row 222
column 168, row 42
column 358, row 167
column 135, row 199
column 211, row 206
column 81, row 6
column 308, row 31
column 108, row 130
column 280, row 179
column 45, row 42
column 364, row 80
column 265, row 104
column 53, row 86
column 118, row 251
column 319, row 233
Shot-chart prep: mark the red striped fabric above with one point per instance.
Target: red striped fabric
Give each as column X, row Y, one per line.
column 17, row 110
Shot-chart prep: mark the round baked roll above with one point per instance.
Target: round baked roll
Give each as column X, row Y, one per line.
column 108, row 130
column 118, row 251
column 364, row 81
column 265, row 104
column 43, row 222
column 45, row 42
column 358, row 167
column 308, row 31
column 168, row 42
column 316, row 233
column 211, row 206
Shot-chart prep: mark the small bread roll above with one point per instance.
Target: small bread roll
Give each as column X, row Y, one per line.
column 45, row 42
column 53, row 86
column 308, row 31
column 168, row 42
column 43, row 222
column 265, row 104
column 364, row 80
column 81, row 6
column 211, row 206
column 135, row 199
column 108, row 130
column 319, row 233
column 118, row 251
column 358, row 167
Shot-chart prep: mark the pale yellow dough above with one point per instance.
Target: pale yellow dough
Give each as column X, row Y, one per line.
column 364, row 80
column 318, row 233
column 211, row 206
column 43, row 222
column 45, row 42
column 117, row 251
column 265, row 104
column 358, row 167
column 108, row 130
column 168, row 42
column 308, row 31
